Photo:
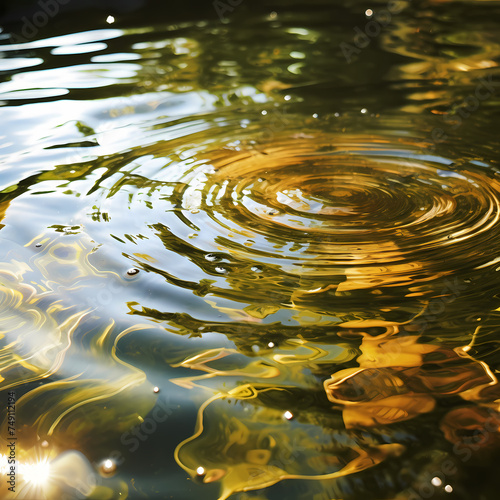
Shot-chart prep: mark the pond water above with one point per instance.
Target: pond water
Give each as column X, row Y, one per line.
column 250, row 250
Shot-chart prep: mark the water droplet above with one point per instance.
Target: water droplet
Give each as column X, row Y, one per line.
column 287, row 97
column 200, row 471
column 133, row 271
column 263, row 112
column 288, row 415
column 156, row 390
column 315, row 115
column 435, row 481
column 270, row 345
column 364, row 110
column 108, row 466
column 448, row 488
column 368, row 13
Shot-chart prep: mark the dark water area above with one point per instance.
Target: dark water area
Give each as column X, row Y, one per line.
column 249, row 250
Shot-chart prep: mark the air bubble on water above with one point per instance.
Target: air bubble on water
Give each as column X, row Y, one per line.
column 256, row 269
column 133, row 271
column 255, row 348
column 270, row 345
column 287, row 97
column 448, row 488
column 364, row 110
column 221, row 270
column 273, row 212
column 368, row 13
column 315, row 115
column 263, row 112
column 212, row 257
column 38, row 245
column 336, row 115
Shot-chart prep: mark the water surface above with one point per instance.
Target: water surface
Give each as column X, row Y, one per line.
column 252, row 257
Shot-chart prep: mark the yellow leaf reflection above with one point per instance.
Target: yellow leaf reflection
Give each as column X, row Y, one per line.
column 401, row 351
column 476, row 428
column 399, row 378
column 387, row 411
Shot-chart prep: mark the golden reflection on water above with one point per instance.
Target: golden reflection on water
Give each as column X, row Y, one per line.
column 303, row 230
